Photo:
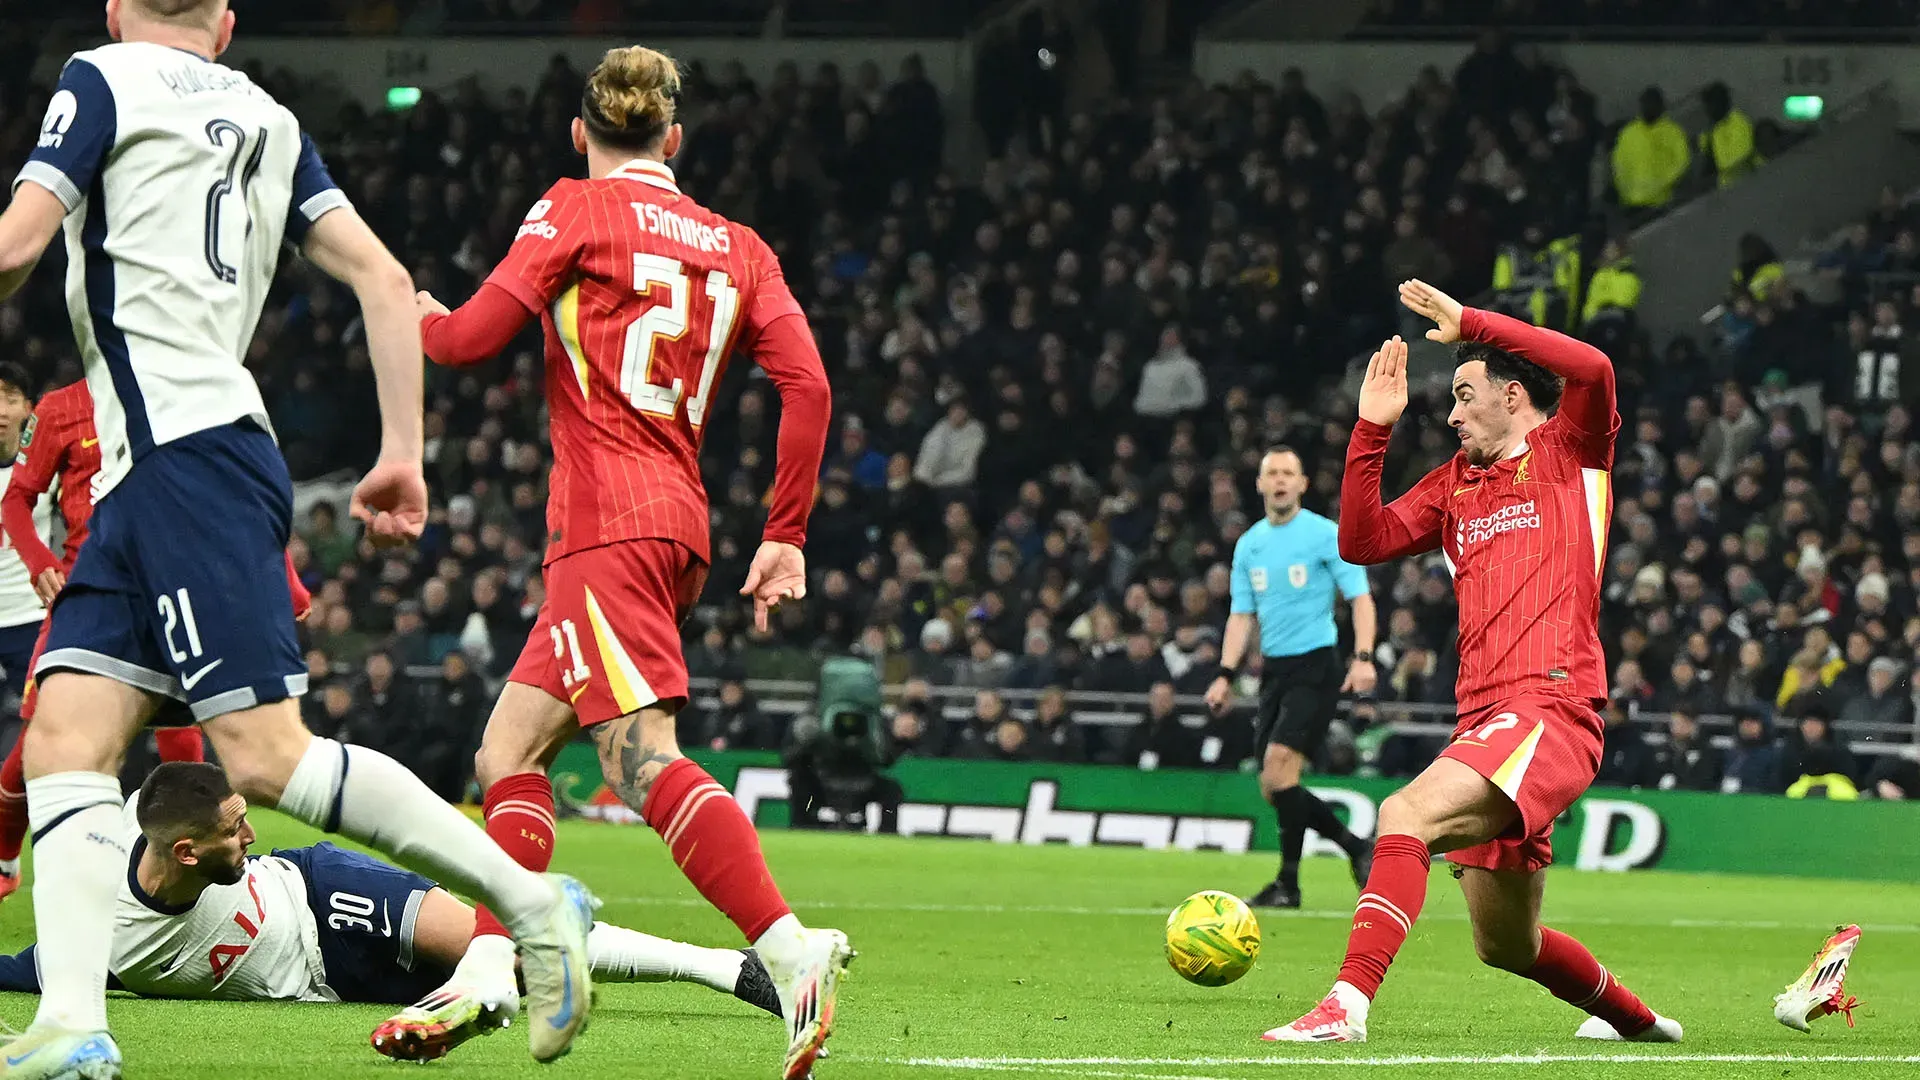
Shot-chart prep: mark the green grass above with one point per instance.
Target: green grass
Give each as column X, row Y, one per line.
column 977, row 951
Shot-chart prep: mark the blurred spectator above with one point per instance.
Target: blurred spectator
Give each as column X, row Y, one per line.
column 1896, row 776
column 737, row 721
column 1623, row 754
column 1165, row 737
column 1813, row 764
column 1172, row 382
column 975, row 736
column 1727, row 152
column 950, row 454
column 1753, row 765
column 1688, row 762
column 1650, row 156
column 1056, row 737
column 1880, row 708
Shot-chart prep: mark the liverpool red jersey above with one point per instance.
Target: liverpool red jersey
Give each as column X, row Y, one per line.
column 1525, row 537
column 57, row 443
column 644, row 294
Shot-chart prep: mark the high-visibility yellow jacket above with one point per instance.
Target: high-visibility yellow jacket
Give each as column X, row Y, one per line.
column 1648, row 160
column 1729, row 144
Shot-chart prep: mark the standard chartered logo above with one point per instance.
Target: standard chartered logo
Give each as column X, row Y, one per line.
column 1506, row 519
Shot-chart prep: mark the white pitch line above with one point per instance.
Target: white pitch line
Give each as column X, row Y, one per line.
column 1342, row 914
column 1086, row 1066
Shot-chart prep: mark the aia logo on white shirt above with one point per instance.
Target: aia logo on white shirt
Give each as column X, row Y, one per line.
column 60, row 113
column 1506, row 519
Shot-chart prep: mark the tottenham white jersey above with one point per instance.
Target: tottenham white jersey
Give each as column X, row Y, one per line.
column 250, row 941
column 19, row 604
column 181, row 179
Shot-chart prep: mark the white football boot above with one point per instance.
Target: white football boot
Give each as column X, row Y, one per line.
column 1821, row 989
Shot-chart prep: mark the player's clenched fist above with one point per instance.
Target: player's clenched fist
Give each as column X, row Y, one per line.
column 1383, row 393
column 392, row 502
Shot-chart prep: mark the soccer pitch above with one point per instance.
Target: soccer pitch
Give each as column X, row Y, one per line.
column 1001, row 962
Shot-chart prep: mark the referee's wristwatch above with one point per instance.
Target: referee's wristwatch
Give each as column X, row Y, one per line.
column 1363, row 656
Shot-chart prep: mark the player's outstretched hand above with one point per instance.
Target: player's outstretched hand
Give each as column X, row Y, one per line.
column 779, row 572
column 1425, row 300
column 1383, row 393
column 392, row 503
column 48, row 583
column 427, row 305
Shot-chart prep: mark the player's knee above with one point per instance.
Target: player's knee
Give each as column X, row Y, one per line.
column 1507, row 952
column 1281, row 767
column 260, row 748
column 51, row 745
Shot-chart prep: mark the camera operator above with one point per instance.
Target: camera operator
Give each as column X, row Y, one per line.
column 835, row 758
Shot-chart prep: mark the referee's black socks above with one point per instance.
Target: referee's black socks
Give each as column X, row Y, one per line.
column 1296, row 809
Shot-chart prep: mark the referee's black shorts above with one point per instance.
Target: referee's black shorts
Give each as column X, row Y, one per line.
column 1298, row 697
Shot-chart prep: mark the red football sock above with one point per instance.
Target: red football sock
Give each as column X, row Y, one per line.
column 1389, row 904
column 715, row 845
column 13, row 801
column 519, row 812
column 1570, row 973
column 180, row 744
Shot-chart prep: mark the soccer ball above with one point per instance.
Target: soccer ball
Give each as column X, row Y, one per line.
column 1212, row 938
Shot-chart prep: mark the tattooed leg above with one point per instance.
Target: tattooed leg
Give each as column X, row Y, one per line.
column 634, row 750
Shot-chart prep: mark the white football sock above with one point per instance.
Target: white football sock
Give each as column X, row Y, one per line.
column 782, row 946
column 80, row 859
column 367, row 796
column 621, row 955
column 10, row 867
column 487, row 968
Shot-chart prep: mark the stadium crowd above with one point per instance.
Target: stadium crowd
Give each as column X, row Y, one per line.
column 1052, row 388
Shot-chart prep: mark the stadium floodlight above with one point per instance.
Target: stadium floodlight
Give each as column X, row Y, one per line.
column 402, row 97
column 1804, row 108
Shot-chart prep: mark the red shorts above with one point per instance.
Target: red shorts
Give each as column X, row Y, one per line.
column 1543, row 751
column 28, row 693
column 608, row 638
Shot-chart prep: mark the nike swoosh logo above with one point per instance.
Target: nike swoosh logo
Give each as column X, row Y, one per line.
column 86, row 444
column 188, row 682
column 565, row 1016
column 15, row 1062
column 386, row 920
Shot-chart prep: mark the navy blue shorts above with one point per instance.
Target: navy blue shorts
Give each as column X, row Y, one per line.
column 16, row 653
column 366, row 910
column 181, row 587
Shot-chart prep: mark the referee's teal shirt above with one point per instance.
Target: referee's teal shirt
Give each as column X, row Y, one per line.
column 1286, row 575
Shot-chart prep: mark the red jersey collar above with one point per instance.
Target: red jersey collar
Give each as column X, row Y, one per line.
column 648, row 172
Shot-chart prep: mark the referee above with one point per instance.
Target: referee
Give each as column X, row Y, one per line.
column 1286, row 570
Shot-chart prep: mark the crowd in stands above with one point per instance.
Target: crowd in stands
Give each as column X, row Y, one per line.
column 1052, row 386
column 430, row 17
column 1590, row 15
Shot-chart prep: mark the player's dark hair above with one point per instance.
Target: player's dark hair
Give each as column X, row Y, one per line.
column 1283, row 448
column 1542, row 386
column 17, row 376
column 182, row 798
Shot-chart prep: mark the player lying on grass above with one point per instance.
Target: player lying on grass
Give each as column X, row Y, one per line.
column 1520, row 515
column 199, row 918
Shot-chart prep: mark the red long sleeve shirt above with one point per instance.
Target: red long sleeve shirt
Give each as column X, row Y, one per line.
column 1525, row 537
column 643, row 295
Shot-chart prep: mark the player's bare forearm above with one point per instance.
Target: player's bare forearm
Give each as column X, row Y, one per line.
column 1589, row 396
column 30, row 223
column 341, row 244
column 1233, row 644
column 1372, row 532
column 787, row 353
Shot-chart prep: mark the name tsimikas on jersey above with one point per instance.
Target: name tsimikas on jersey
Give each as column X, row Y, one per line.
column 1506, row 519
column 662, row 223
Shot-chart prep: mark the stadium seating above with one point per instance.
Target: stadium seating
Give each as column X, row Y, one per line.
column 1019, row 495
